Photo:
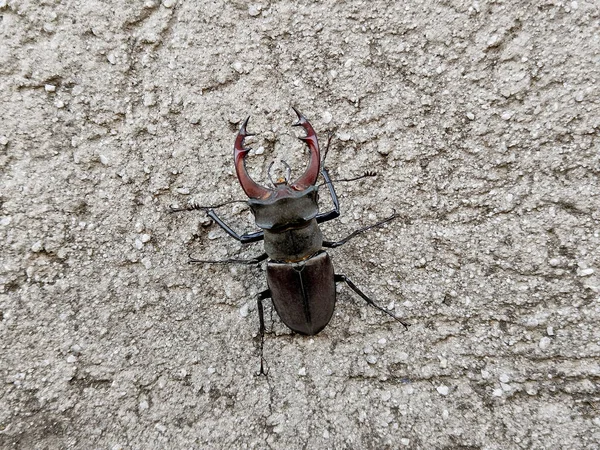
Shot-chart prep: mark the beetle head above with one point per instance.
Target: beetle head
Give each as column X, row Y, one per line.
column 285, row 204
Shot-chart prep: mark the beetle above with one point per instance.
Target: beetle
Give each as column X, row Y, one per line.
column 300, row 275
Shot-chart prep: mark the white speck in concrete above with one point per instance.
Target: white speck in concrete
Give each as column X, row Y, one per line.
column 254, row 10
column 443, row 390
column 545, row 342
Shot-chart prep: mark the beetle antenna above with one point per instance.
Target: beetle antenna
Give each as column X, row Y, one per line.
column 288, row 171
column 364, row 175
column 329, row 138
column 196, row 207
column 269, row 173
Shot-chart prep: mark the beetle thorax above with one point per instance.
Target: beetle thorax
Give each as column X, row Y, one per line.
column 285, row 208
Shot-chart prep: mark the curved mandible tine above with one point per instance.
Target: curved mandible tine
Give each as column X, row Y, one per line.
column 250, row 187
column 309, row 178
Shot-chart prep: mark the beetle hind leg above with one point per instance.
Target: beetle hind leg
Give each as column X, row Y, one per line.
column 340, row 277
column 261, row 317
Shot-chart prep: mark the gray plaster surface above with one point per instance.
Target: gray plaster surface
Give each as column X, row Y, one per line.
column 481, row 119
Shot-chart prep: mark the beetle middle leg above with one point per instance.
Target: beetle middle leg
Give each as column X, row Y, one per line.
column 254, row 260
column 340, row 277
column 334, row 244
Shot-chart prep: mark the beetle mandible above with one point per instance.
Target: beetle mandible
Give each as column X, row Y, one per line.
column 300, row 276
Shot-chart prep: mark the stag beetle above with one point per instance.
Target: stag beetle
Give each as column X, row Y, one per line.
column 300, row 275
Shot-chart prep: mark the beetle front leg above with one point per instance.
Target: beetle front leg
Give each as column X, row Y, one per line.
column 335, row 212
column 340, row 277
column 261, row 317
column 244, row 239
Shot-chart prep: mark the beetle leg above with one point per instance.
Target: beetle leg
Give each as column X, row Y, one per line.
column 244, row 239
column 261, row 317
column 340, row 277
column 254, row 260
column 335, row 212
column 331, row 244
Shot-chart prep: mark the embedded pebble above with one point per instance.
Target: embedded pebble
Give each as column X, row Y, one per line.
column 326, row 434
column 554, row 262
column 149, row 99
column 143, row 405
column 506, row 115
column 145, row 238
column 372, row 359
column 244, row 310
column 382, row 341
column 138, row 243
column 50, row 88
column 344, row 136
column 485, row 374
column 545, row 342
column 71, row 359
column 405, row 442
column 103, row 159
column 3, row 140
column 386, row 396
column 213, row 235
column 37, row 247
column 550, row 331
column 302, row 372
column 585, row 272
column 254, row 10
column 498, row 392
column 238, row 67
column 504, row 378
column 327, row 117
column 470, row 116
column 169, row 3
column 260, row 150
column 443, row 390
column 183, row 191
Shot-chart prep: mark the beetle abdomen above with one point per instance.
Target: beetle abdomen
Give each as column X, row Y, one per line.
column 303, row 293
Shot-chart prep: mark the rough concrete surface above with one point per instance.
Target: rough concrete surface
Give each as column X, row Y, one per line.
column 481, row 119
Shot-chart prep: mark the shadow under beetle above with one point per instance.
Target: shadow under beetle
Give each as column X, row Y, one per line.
column 300, row 276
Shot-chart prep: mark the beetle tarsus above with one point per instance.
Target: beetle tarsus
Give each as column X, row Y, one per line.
column 340, row 277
